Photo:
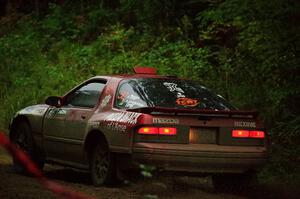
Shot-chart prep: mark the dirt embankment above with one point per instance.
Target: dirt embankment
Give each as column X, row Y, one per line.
column 18, row 186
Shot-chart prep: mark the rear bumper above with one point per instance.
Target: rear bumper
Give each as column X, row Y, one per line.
column 199, row 158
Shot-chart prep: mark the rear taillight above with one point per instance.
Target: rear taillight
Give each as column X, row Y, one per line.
column 247, row 134
column 257, row 134
column 157, row 131
column 167, row 131
column 148, row 130
column 240, row 133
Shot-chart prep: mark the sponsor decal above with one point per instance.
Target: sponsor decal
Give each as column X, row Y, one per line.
column 94, row 124
column 181, row 100
column 132, row 104
column 133, row 97
column 174, row 88
column 184, row 101
column 122, row 95
column 180, row 95
column 130, row 101
column 105, row 101
column 116, row 126
column 245, row 124
column 124, row 117
column 53, row 112
column 165, row 121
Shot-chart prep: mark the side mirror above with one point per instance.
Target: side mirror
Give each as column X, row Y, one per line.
column 53, row 101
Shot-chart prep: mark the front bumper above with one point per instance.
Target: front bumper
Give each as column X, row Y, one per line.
column 199, row 158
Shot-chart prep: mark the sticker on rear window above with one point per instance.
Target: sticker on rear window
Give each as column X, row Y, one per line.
column 122, row 95
column 175, row 89
column 129, row 101
column 184, row 101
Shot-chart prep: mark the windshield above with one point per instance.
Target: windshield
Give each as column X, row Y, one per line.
column 168, row 93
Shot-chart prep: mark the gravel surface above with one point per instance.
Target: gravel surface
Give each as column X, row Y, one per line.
column 13, row 185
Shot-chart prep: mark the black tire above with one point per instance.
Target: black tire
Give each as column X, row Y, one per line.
column 102, row 165
column 22, row 137
column 233, row 182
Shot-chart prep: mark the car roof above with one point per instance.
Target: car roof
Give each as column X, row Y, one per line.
column 132, row 76
column 140, row 72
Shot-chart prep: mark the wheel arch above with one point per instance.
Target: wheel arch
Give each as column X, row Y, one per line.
column 35, row 154
column 15, row 121
column 93, row 137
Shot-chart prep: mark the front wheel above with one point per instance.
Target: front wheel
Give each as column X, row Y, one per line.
column 22, row 137
column 102, row 168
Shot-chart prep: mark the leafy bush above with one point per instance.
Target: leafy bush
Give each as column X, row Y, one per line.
column 248, row 51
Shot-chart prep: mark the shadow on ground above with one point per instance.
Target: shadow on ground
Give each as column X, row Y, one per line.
column 68, row 175
column 136, row 186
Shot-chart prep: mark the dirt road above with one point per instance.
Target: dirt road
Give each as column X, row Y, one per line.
column 18, row 186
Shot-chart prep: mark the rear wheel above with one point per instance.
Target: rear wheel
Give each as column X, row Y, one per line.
column 22, row 137
column 233, row 182
column 102, row 167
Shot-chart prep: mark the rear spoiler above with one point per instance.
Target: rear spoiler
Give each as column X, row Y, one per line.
column 198, row 112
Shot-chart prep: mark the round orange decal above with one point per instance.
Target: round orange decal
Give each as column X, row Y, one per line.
column 184, row 101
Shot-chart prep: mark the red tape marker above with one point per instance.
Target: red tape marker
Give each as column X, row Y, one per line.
column 31, row 167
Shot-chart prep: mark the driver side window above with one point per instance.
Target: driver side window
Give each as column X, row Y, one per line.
column 86, row 96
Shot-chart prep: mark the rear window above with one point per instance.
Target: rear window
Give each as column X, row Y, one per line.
column 169, row 93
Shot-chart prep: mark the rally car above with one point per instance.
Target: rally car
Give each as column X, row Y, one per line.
column 111, row 123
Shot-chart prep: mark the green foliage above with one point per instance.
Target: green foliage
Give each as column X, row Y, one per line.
column 147, row 170
column 57, row 25
column 248, row 51
column 260, row 39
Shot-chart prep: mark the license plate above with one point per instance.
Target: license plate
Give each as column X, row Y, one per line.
column 202, row 136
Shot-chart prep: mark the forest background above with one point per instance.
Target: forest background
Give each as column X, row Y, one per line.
column 245, row 50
